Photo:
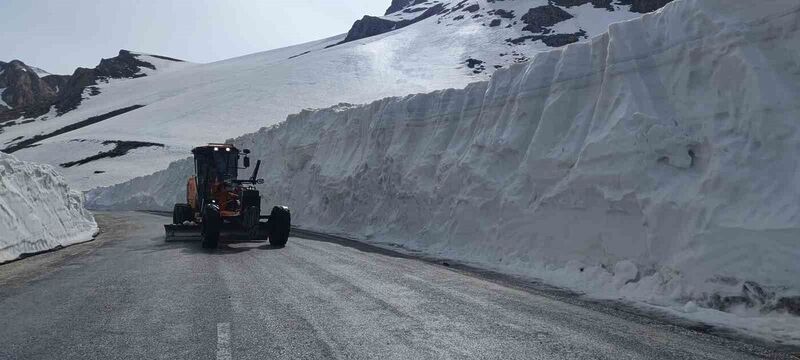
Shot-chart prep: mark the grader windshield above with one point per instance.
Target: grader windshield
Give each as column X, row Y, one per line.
column 215, row 163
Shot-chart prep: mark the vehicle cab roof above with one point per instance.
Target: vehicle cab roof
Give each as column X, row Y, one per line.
column 210, row 148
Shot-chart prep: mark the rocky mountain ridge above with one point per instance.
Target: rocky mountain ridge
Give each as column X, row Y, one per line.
column 27, row 95
column 537, row 20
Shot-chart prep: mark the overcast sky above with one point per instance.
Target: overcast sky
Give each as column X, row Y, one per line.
column 60, row 35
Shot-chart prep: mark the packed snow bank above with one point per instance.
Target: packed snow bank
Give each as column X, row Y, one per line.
column 656, row 162
column 38, row 211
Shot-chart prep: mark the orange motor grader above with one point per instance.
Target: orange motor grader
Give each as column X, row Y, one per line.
column 217, row 202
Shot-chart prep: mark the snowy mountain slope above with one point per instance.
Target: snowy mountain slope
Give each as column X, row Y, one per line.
column 194, row 104
column 656, row 162
column 39, row 211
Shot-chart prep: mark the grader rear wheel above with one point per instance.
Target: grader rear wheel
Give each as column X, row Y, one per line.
column 250, row 222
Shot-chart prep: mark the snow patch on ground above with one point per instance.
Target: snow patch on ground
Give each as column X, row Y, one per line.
column 38, row 211
column 655, row 163
column 39, row 72
column 161, row 64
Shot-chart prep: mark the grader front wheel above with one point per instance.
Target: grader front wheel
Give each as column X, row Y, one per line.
column 210, row 228
column 280, row 224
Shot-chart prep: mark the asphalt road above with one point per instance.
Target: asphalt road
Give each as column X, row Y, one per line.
column 130, row 295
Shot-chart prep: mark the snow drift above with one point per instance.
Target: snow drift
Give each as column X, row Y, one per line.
column 38, row 211
column 656, row 162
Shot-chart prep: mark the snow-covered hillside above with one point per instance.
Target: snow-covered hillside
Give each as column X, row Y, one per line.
column 38, row 211
column 434, row 45
column 656, row 162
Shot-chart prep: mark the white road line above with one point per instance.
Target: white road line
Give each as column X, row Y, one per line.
column 224, row 341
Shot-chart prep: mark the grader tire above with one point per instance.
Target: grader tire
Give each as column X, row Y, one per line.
column 250, row 222
column 210, row 228
column 280, row 224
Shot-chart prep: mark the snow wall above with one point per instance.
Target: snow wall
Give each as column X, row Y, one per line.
column 38, row 211
column 656, row 162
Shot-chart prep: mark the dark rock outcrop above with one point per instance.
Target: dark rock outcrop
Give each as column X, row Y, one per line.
column 371, row 26
column 639, row 6
column 23, row 87
column 645, row 6
column 552, row 40
column 477, row 66
column 32, row 141
column 72, row 94
column 472, row 8
column 604, row 4
column 539, row 19
column 121, row 148
column 26, row 94
column 125, row 65
column 398, row 5
column 57, row 82
column 503, row 13
column 559, row 40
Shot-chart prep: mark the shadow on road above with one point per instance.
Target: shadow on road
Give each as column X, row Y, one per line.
column 353, row 244
column 226, row 246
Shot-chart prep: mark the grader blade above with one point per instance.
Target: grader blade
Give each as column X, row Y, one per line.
column 182, row 232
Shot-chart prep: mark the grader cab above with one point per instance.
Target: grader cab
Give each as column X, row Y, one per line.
column 218, row 203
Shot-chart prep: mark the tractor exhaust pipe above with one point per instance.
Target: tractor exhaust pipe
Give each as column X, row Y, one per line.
column 254, row 177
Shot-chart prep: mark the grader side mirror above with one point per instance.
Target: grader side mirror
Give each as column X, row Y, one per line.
column 246, row 162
